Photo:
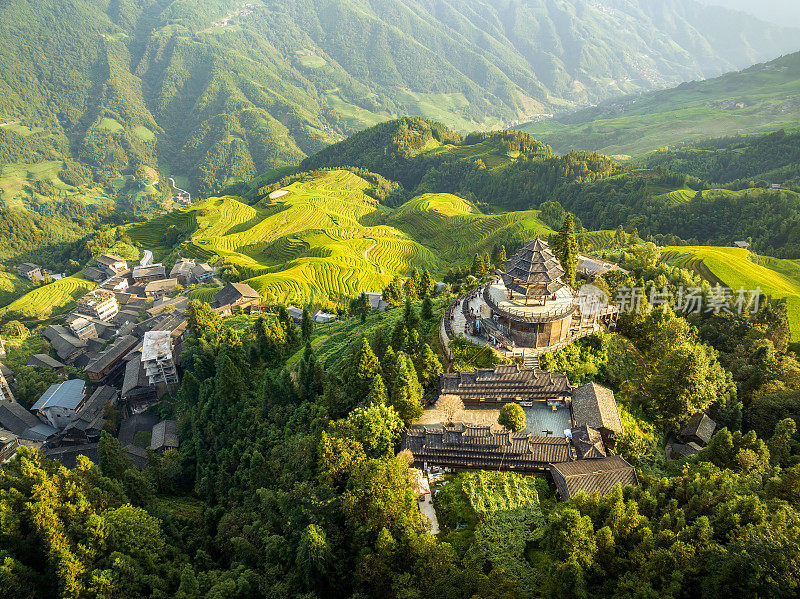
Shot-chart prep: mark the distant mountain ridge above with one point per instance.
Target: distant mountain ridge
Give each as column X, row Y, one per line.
column 760, row 99
column 220, row 90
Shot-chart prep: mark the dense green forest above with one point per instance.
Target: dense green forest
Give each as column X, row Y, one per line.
column 772, row 158
column 287, row 482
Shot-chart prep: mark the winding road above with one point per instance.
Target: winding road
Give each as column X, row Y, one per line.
column 176, row 188
column 370, row 248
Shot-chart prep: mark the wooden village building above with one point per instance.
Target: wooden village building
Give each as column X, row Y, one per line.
column 592, row 476
column 504, row 384
column 482, row 447
column 235, row 298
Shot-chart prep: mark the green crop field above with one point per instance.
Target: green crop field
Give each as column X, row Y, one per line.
column 47, row 300
column 324, row 238
column 734, row 268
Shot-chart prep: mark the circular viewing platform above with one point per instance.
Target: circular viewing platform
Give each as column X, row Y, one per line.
column 516, row 307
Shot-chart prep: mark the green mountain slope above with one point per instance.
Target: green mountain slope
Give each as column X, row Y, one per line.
column 763, row 98
column 214, row 91
column 326, row 237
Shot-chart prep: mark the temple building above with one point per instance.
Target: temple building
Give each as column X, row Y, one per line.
column 529, row 309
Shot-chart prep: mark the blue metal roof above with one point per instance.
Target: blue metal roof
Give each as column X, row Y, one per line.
column 64, row 395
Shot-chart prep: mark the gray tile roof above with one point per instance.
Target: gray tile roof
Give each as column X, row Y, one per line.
column 234, row 292
column 115, row 352
column 64, row 395
column 15, row 418
column 592, row 475
column 588, row 443
column 594, row 405
column 165, row 435
column 480, row 446
column 699, row 426
column 44, row 361
column 505, row 384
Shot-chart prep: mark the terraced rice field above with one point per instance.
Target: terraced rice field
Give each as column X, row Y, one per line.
column 734, row 268
column 47, row 300
column 327, row 237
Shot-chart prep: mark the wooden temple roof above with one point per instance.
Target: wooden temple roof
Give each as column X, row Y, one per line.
column 534, row 270
column 505, row 384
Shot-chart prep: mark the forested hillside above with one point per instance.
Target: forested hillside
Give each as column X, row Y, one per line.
column 121, row 95
column 516, row 172
column 757, row 100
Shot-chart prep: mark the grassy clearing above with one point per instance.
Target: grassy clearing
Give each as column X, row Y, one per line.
column 143, row 133
column 110, row 124
column 47, row 300
column 734, row 268
column 16, row 185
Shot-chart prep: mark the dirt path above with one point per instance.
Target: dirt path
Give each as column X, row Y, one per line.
column 370, row 248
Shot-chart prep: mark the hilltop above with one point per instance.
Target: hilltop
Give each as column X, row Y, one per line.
column 759, row 99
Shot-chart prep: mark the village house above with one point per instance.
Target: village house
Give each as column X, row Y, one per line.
column 484, row 447
column 161, row 287
column 694, row 435
column 108, row 366
column 376, row 301
column 45, row 361
column 296, row 313
column 66, row 345
column 87, row 423
column 137, row 393
column 321, row 317
column 100, row 303
column 83, row 329
column 158, row 360
column 19, row 421
column 9, row 443
column 30, row 271
column 504, row 384
column 5, row 384
column 594, row 405
column 236, row 297
column 188, row 272
column 164, row 436
column 592, row 476
column 95, row 274
column 142, row 275
column 112, row 266
column 60, row 402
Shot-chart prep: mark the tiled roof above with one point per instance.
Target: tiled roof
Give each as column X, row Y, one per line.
column 504, row 384
column 116, row 351
column 233, row 292
column 700, row 426
column 15, row 418
column 45, row 361
column 592, row 475
column 165, row 435
column 594, row 405
column 92, row 413
column 588, row 443
column 471, row 446
column 63, row 395
column 534, row 270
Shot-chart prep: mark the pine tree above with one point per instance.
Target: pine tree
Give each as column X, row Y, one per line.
column 426, row 284
column 427, row 308
column 410, row 317
column 428, row 366
column 566, row 249
column 393, row 294
column 389, row 367
column 412, row 285
column 477, row 265
column 307, row 326
column 406, row 396
column 378, row 395
column 399, row 336
column 111, row 457
column 365, row 367
column 501, row 258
